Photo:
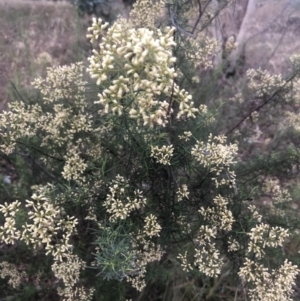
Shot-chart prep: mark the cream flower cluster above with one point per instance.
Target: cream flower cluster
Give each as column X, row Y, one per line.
column 69, row 272
column 292, row 120
column 207, row 257
column 96, row 30
column 186, row 106
column 151, row 228
column 200, row 50
column 215, row 152
column 61, row 82
column 74, row 165
column 47, row 222
column 217, row 156
column 264, row 83
column 9, row 233
column 10, row 270
column 275, row 285
column 233, row 245
column 76, row 293
column 186, row 136
column 144, row 13
column 254, row 212
column 69, row 269
column 218, row 216
column 21, row 121
column 134, row 67
column 263, row 236
column 279, row 195
column 118, row 204
column 162, row 154
column 64, row 88
column 182, row 192
column 186, row 266
column 55, row 122
column 150, row 252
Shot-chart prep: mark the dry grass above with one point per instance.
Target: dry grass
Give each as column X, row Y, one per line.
column 273, row 35
column 35, row 35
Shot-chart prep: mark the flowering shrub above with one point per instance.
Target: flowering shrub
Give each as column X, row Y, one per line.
column 136, row 169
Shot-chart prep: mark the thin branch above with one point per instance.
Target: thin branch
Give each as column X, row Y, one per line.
column 41, row 152
column 16, row 90
column 174, row 22
column 40, row 166
column 259, row 107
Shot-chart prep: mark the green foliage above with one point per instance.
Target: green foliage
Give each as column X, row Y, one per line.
column 115, row 258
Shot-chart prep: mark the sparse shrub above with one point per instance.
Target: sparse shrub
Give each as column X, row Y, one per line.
column 130, row 171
